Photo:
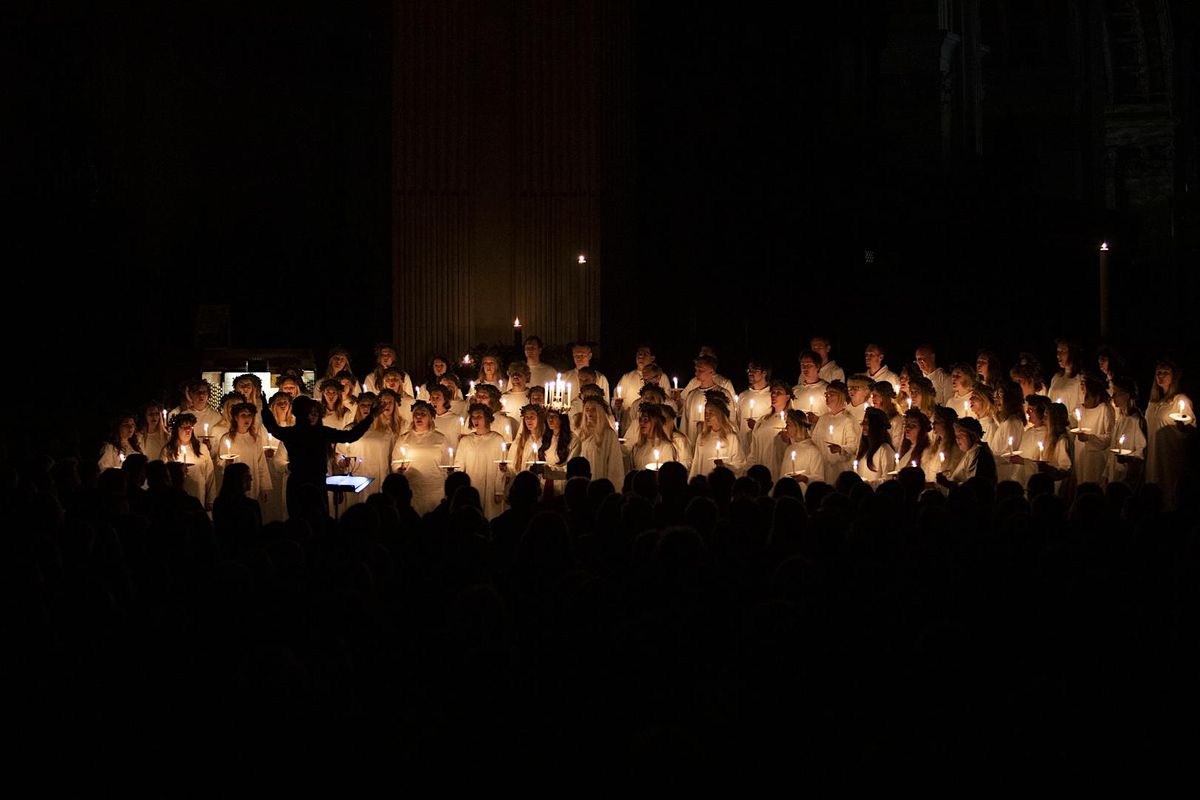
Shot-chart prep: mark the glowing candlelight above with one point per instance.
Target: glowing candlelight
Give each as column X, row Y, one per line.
column 752, row 406
column 516, row 322
column 856, row 465
column 1010, row 444
column 1181, row 408
column 404, row 453
column 735, row 399
column 206, row 430
column 811, row 403
column 830, row 431
column 471, row 389
column 909, row 399
column 450, row 452
column 896, row 388
column 1078, row 415
column 675, row 380
column 1121, row 442
column 461, row 421
column 1104, row 247
column 793, row 462
column 657, row 463
column 582, row 258
column 966, row 407
column 1041, row 449
column 897, row 461
column 121, row 457
column 1058, row 399
column 942, row 456
column 618, row 392
column 533, row 447
column 912, row 463
column 467, row 359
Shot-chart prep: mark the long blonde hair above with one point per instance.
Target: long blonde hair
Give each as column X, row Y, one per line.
column 1157, row 395
column 524, row 438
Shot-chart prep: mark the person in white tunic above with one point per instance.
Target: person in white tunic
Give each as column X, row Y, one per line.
column 597, row 441
column 1093, row 422
column 1064, row 385
column 977, row 460
column 1005, row 436
column 489, row 372
column 926, row 358
column 1170, row 420
column 876, row 370
column 582, row 354
column 962, row 383
column 682, row 445
column 753, row 402
column 654, row 446
column 275, row 451
column 249, row 386
column 530, row 441
column 516, row 396
column 199, row 479
column 836, row 433
column 766, row 445
column 152, row 431
column 859, row 388
column 718, row 444
column 196, row 394
column 944, row 439
column 420, row 455
column 539, row 373
column 244, row 442
column 809, row 394
column 1127, row 459
column 718, row 379
column 1043, row 448
column 883, row 397
column 385, row 360
column 439, row 369
column 558, row 452
column 828, row 369
column 445, row 421
column 500, row 423
column 121, row 443
column 988, row 369
column 982, row 406
column 372, row 453
column 630, row 385
column 339, row 362
column 652, row 395
column 875, row 459
column 800, row 458
column 693, row 402
column 478, row 454
column 1027, row 374
column 923, row 396
column 918, row 450
column 334, row 413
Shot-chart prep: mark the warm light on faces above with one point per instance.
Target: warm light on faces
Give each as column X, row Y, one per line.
column 820, row 347
column 808, row 370
column 439, row 367
column 420, row 420
column 533, row 352
column 582, row 356
column 387, row 357
column 874, row 358
column 337, row 363
column 531, row 420
column 644, row 357
column 330, row 394
column 645, row 427
column 925, row 360
column 962, row 439
column 244, row 420
column 126, row 428
column 478, row 420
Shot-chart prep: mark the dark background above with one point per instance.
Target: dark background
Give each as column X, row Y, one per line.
column 160, row 157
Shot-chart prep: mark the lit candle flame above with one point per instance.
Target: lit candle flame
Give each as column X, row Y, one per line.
column 1104, row 247
column 582, row 258
column 516, row 322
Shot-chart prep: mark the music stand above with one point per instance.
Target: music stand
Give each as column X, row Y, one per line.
column 345, row 484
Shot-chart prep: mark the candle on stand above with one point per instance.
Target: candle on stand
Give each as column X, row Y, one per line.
column 718, row 456
column 518, row 340
column 657, row 462
column 793, row 462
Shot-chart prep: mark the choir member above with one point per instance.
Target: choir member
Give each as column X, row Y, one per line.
column 1165, row 435
column 1027, row 374
column 875, row 456
column 539, row 373
column 982, row 406
column 500, row 422
column 489, row 371
column 439, row 369
column 1064, row 385
column 122, row 442
column 1110, row 364
column 977, row 460
column 420, row 454
column 339, row 361
column 151, row 429
column 766, row 427
column 883, row 397
column 800, row 458
column 516, row 396
column 1006, row 434
column 718, row 379
column 836, row 433
column 962, row 383
column 558, row 452
column 944, row 440
column 809, row 394
column 582, row 354
column 249, row 386
column 334, row 413
column 1044, row 443
column 654, row 443
column 195, row 401
column 385, row 359
column 717, row 444
column 988, row 368
column 533, row 438
column 827, row 369
column 597, row 442
column 681, row 443
column 923, row 395
column 245, row 441
column 275, row 451
column 705, row 380
column 445, row 421
column 926, row 358
column 478, row 454
column 226, row 411
column 1127, row 464
column 631, row 382
column 199, row 479
column 918, row 449
column 751, row 403
column 290, row 385
column 876, row 370
column 859, row 388
column 1094, row 420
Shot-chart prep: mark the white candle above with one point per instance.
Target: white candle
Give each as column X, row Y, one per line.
column 1058, row 399
column 1078, row 416
column 121, row 457
column 856, row 465
column 966, row 407
column 1181, row 408
column 793, row 462
column 675, row 380
column 1010, row 443
column 811, row 402
column 618, row 392
column 735, row 398
column 467, row 358
column 461, row 421
column 718, row 449
column 913, row 463
column 471, row 385
column 909, row 400
column 830, row 431
column 657, row 463
column 752, row 406
column 896, row 388
column 228, row 445
column 1121, row 441
column 404, row 453
column 206, row 430
column 1041, row 449
column 942, row 456
column 450, row 452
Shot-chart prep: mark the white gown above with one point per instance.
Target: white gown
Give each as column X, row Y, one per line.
column 884, row 462
column 761, row 400
column 572, row 378
column 406, row 385
column 1057, row 456
column 541, row 373
column 204, row 416
column 830, row 372
column 603, row 453
column 1164, row 445
column 961, row 403
column 896, row 427
column 448, row 425
column 808, row 461
column 1130, row 427
column 249, row 451
column 706, row 452
column 694, row 402
column 643, row 454
column 275, row 509
column 428, row 453
column 766, row 447
column 375, row 450
column 942, row 387
column 200, row 480
column 997, row 439
column 513, row 401
column 153, row 443
column 1092, row 456
column 808, row 397
column 683, row 449
column 477, row 455
column 846, row 433
column 884, row 374
column 1066, row 391
column 111, row 458
column 929, row 463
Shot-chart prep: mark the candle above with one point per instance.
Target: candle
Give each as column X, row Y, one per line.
column 752, row 406
column 1041, row 449
column 913, row 463
column 830, row 431
column 966, row 407
column 450, row 452
column 1181, row 408
column 533, row 448
column 121, row 457
column 897, row 461
column 467, row 359
column 942, row 456
column 856, row 465
column 502, row 384
column 1121, row 441
column 1078, row 415
column 1010, row 444
column 471, row 390
column 657, row 463
column 675, row 380
column 909, row 401
column 206, row 430
column 1058, row 399
column 793, row 462
column 718, row 455
column 811, row 402
column 461, row 422
column 618, row 392
column 404, row 453
column 504, row 452
column 228, row 444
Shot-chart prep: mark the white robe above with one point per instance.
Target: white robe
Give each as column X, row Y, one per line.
column 694, row 402
column 718, row 380
column 884, row 462
column 896, row 426
column 477, row 455
column 406, row 385
column 541, row 373
column 427, row 453
column 961, row 403
column 1130, row 427
column 1164, row 446
column 766, row 447
column 275, row 509
column 204, row 416
column 929, row 462
column 603, row 453
column 1066, row 391
column 683, row 448
column 642, row 456
column 997, row 439
column 846, row 433
column 884, row 374
column 111, row 458
column 858, row 412
column 808, row 397
column 375, row 449
column 830, row 372
column 200, row 478
column 153, row 443
column 761, row 398
column 1092, row 456
column 942, row 387
column 1057, row 456
column 449, row 426
column 512, row 401
column 808, row 462
column 627, row 389
column 249, row 451
column 572, row 378
column 706, row 452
